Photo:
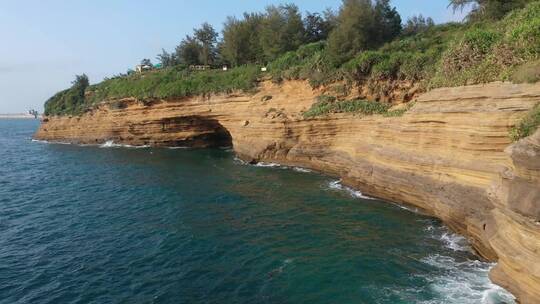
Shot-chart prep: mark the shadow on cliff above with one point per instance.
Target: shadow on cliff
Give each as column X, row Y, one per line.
column 195, row 131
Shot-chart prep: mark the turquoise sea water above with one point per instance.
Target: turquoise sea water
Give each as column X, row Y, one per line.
column 124, row 225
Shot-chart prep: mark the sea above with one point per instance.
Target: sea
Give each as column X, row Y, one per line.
column 123, row 224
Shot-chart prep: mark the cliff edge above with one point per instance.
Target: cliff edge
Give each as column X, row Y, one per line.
column 450, row 154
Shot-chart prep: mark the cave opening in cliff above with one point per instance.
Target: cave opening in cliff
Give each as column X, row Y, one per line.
column 196, row 132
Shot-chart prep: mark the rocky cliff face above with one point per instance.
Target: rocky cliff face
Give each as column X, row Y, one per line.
column 449, row 155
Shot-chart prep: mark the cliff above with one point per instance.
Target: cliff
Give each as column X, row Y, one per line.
column 449, row 155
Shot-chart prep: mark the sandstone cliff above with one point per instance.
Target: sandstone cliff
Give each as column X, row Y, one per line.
column 449, row 155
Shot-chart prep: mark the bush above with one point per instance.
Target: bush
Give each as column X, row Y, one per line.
column 490, row 51
column 527, row 73
column 528, row 125
column 361, row 66
column 70, row 101
column 328, row 104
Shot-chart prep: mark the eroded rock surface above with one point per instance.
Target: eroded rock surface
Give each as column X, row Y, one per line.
column 449, row 155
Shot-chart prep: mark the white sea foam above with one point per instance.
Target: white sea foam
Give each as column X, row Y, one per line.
column 464, row 282
column 280, row 269
column 51, row 142
column 267, row 165
column 455, row 242
column 178, row 148
column 451, row 240
column 337, row 185
column 240, row 161
column 111, row 144
column 271, row 165
column 410, row 209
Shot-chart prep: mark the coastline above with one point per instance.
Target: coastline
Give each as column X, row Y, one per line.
column 19, row 116
column 450, row 155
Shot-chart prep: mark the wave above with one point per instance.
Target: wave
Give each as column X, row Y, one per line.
column 464, row 282
column 178, row 148
column 451, row 240
column 460, row 281
column 337, row 185
column 280, row 269
column 51, row 142
column 410, row 209
column 271, row 165
column 107, row 144
column 111, row 144
column 268, row 165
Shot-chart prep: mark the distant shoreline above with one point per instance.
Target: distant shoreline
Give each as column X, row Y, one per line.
column 18, row 116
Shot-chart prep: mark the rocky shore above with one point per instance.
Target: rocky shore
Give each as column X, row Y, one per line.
column 450, row 154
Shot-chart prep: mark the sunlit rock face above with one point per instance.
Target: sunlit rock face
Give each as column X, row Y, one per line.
column 449, row 155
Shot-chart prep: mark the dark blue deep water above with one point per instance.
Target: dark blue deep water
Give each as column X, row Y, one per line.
column 125, row 225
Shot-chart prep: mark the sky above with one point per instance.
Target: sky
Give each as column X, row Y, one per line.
column 44, row 44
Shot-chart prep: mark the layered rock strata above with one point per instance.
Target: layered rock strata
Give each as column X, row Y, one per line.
column 449, row 155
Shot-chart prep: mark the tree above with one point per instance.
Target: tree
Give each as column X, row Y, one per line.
column 241, row 43
column 281, row 30
column 388, row 21
column 353, row 32
column 318, row 27
column 207, row 37
column 188, row 51
column 417, row 24
column 81, row 82
column 166, row 59
column 362, row 25
column 488, row 9
column 145, row 61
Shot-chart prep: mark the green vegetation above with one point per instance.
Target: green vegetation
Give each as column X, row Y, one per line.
column 528, row 125
column 175, row 82
column 328, row 104
column 527, row 73
column 489, row 9
column 70, row 101
column 364, row 43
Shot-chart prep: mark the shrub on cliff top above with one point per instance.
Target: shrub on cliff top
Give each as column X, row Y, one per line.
column 166, row 83
column 490, row 51
column 70, row 101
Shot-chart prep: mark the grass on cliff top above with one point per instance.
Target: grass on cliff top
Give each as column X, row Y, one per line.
column 328, row 104
column 173, row 82
column 443, row 56
column 528, row 125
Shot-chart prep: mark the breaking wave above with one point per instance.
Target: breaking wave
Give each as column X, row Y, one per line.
column 337, row 185
column 111, row 144
column 461, row 280
column 271, row 165
column 464, row 282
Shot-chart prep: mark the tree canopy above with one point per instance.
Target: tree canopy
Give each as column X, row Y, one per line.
column 488, row 9
column 362, row 25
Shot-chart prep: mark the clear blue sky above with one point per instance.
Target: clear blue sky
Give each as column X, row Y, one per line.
column 45, row 43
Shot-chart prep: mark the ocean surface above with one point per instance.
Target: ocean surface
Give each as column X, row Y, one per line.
column 112, row 224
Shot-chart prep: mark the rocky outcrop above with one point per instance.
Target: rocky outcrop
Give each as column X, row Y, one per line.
column 449, row 155
column 515, row 220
